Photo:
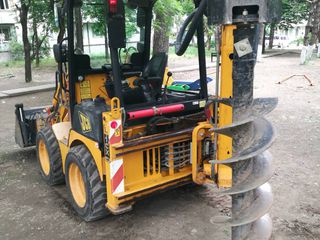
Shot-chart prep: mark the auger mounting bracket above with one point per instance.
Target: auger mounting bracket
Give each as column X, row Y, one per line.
column 244, row 11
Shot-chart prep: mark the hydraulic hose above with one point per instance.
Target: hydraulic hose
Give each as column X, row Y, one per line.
column 184, row 39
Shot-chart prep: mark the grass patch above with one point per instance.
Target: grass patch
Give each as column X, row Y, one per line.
column 96, row 60
column 191, row 52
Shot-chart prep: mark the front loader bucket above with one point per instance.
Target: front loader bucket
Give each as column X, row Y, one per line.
column 26, row 127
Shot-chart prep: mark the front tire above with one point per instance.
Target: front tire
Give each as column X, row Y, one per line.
column 49, row 157
column 86, row 191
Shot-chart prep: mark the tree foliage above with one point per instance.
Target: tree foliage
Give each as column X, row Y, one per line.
column 95, row 12
column 312, row 34
column 42, row 19
column 294, row 12
column 168, row 13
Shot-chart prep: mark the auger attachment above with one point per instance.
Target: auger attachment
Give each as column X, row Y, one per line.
column 241, row 122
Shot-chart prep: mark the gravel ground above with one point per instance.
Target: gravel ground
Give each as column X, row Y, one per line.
column 31, row 210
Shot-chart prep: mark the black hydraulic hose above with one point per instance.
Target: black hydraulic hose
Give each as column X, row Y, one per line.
column 116, row 72
column 183, row 40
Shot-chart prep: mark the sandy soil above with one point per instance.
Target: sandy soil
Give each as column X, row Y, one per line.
column 31, row 210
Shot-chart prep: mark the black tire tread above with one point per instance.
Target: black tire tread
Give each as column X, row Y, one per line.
column 97, row 191
column 56, row 175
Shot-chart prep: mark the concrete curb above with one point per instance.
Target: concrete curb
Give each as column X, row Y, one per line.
column 27, row 90
column 279, row 53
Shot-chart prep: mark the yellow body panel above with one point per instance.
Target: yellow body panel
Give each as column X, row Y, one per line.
column 142, row 179
column 224, row 150
column 167, row 81
column 91, row 87
column 93, row 147
column 142, row 169
column 198, row 134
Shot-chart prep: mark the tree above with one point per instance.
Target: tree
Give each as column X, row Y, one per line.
column 40, row 14
column 23, row 8
column 209, row 31
column 61, row 19
column 312, row 34
column 96, row 12
column 42, row 18
column 165, row 11
column 271, row 35
column 78, row 28
column 293, row 12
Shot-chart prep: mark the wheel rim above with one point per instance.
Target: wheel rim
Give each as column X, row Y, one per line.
column 44, row 158
column 77, row 185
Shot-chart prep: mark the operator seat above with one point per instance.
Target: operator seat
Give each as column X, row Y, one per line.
column 152, row 76
column 148, row 86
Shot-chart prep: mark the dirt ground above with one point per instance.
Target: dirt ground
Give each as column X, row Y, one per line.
column 29, row 209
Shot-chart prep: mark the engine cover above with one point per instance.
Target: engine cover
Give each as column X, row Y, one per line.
column 87, row 119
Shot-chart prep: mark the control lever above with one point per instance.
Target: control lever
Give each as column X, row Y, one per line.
column 164, row 96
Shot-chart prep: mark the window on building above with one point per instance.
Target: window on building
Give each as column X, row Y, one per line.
column 5, row 33
column 4, row 4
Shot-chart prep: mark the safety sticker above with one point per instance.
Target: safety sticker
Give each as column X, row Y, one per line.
column 115, row 132
column 85, row 90
column 117, row 176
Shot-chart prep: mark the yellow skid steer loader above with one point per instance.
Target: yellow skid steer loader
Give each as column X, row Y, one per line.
column 118, row 133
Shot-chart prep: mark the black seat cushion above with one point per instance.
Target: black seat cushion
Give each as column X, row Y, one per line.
column 137, row 59
column 82, row 62
column 153, row 72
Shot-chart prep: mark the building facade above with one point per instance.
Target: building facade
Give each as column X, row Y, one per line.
column 8, row 27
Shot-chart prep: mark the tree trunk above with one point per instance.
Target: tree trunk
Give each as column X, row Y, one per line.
column 24, row 9
column 208, row 32
column 62, row 25
column 161, row 35
column 209, row 39
column 105, row 28
column 36, row 44
column 106, row 42
column 312, row 33
column 260, row 45
column 271, row 37
column 264, row 40
column 79, row 31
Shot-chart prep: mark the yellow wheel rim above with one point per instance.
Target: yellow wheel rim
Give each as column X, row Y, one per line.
column 77, row 186
column 44, row 157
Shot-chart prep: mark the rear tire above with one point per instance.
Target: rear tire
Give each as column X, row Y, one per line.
column 86, row 191
column 49, row 157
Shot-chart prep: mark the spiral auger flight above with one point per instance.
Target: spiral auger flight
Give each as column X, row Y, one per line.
column 252, row 168
column 251, row 133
